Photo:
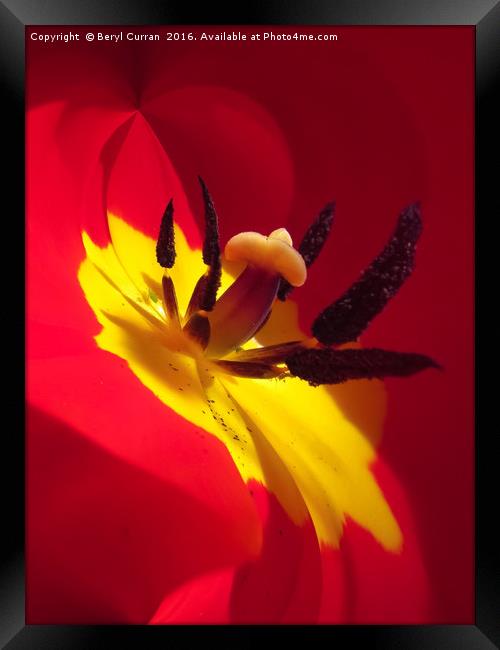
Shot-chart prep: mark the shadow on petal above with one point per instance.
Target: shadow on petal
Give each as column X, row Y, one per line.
column 363, row 402
column 285, row 583
column 107, row 541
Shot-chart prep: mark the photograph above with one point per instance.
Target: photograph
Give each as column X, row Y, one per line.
column 250, row 325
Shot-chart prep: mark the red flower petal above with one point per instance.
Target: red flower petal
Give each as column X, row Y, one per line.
column 282, row 586
column 205, row 600
column 125, row 499
column 379, row 586
column 292, row 583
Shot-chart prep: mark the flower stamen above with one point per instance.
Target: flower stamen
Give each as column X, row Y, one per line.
column 272, row 353
column 220, row 327
column 346, row 318
column 165, row 246
column 170, row 300
column 211, row 253
column 327, row 366
column 312, row 243
column 205, row 292
column 198, row 329
column 253, row 370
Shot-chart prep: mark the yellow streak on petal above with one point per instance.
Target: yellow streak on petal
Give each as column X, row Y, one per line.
column 158, row 358
column 311, row 447
column 327, row 455
column 142, row 267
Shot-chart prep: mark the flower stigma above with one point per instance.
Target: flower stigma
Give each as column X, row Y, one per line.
column 245, row 306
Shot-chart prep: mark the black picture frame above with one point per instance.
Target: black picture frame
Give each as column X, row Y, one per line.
column 14, row 16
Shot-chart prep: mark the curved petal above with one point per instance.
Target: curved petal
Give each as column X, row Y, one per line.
column 252, row 153
column 283, row 584
column 381, row 586
column 204, row 600
column 292, row 582
column 111, row 470
column 140, row 180
column 108, row 539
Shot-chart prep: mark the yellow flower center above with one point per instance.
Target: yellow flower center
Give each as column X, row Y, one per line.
column 303, row 443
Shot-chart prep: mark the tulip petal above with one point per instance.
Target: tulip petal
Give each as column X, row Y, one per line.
column 105, row 455
column 380, row 586
column 205, row 600
column 327, row 456
column 255, row 156
column 121, row 535
column 283, row 585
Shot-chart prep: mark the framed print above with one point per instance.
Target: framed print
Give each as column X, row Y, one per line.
column 250, row 326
